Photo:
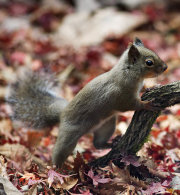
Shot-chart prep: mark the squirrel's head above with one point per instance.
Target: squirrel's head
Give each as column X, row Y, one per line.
column 150, row 63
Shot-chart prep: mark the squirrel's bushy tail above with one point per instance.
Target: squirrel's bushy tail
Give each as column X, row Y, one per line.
column 33, row 101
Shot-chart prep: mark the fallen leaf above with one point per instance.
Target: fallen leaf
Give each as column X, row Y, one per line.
column 154, row 188
column 52, row 175
column 82, row 29
column 69, row 183
column 97, row 178
column 130, row 160
column 9, row 188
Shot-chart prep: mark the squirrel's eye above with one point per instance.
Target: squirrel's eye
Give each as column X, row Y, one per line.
column 149, row 62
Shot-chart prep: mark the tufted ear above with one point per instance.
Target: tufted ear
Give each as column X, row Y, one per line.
column 133, row 54
column 138, row 42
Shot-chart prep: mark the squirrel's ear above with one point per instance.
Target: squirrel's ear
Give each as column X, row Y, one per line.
column 138, row 42
column 133, row 54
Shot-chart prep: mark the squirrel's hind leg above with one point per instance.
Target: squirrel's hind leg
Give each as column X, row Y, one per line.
column 65, row 144
column 103, row 133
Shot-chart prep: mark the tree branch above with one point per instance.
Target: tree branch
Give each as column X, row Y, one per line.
column 141, row 123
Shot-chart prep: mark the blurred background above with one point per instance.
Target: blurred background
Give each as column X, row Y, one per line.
column 79, row 39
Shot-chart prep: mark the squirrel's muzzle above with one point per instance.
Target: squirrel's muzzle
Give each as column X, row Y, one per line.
column 165, row 67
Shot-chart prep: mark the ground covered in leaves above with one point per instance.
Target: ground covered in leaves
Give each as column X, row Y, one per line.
column 78, row 42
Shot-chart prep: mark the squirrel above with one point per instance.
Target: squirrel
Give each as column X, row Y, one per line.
column 94, row 108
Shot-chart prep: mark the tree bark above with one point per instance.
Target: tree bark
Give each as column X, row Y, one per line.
column 141, row 123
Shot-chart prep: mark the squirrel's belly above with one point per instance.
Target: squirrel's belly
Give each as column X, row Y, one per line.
column 98, row 125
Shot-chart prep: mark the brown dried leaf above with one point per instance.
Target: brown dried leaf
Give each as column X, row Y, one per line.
column 21, row 154
column 9, row 188
column 5, row 126
column 69, row 183
column 123, row 176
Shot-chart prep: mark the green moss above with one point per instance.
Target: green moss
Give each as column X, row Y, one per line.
column 138, row 147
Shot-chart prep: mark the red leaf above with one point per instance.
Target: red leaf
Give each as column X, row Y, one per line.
column 155, row 133
column 46, row 141
column 130, row 160
column 153, row 12
column 178, row 134
column 32, row 182
column 34, row 137
column 116, row 45
column 96, row 178
column 94, row 56
column 154, row 188
column 53, row 174
column 18, row 8
column 170, row 141
column 178, row 113
column 44, row 47
column 157, row 152
column 162, row 118
column 18, row 57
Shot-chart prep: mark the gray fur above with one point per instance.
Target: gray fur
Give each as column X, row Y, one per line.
column 34, row 102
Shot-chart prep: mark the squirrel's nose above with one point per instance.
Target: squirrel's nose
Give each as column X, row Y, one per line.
column 165, row 67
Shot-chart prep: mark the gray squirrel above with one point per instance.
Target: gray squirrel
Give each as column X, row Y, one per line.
column 94, row 108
